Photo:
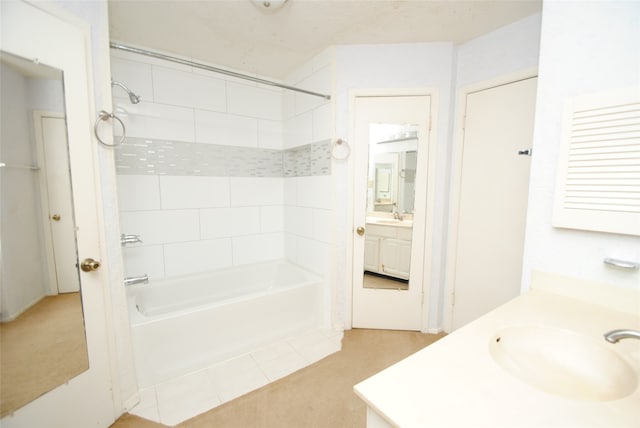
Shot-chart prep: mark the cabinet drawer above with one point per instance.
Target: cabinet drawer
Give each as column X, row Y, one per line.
column 382, row 231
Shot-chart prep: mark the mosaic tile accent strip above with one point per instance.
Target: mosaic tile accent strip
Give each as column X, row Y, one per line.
column 320, row 158
column 142, row 156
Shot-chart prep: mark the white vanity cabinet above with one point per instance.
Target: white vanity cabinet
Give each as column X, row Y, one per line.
column 387, row 250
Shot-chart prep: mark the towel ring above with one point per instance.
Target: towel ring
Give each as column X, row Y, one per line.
column 340, row 150
column 103, row 115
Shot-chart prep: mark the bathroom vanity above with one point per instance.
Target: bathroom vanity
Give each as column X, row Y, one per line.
column 387, row 247
column 538, row 360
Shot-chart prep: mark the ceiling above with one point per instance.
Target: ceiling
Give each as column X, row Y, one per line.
column 240, row 35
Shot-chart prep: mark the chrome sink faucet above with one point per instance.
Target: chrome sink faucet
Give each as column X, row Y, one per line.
column 397, row 215
column 614, row 336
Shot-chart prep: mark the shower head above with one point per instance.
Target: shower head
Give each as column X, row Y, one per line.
column 135, row 99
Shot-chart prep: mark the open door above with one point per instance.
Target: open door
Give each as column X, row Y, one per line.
column 33, row 38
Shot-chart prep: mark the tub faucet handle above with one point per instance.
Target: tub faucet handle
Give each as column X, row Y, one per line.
column 143, row 279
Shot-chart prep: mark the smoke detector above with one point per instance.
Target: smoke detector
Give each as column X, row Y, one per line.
column 268, row 5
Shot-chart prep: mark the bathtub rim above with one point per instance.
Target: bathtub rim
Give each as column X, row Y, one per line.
column 136, row 317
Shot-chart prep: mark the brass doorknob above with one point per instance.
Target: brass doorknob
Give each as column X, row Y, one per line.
column 55, row 217
column 360, row 230
column 89, row 265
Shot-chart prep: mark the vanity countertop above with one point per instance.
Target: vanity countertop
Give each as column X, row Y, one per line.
column 390, row 222
column 456, row 381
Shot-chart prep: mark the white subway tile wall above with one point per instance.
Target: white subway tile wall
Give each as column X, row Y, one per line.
column 187, row 89
column 217, row 171
column 226, row 129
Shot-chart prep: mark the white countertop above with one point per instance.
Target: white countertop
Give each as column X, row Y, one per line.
column 391, row 222
column 456, row 382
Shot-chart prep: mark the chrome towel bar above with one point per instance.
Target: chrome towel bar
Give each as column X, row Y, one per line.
column 624, row 264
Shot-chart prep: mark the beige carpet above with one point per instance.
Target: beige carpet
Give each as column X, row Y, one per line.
column 43, row 348
column 319, row 396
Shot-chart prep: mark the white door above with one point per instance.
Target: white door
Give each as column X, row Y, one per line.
column 37, row 33
column 390, row 125
column 51, row 136
column 493, row 198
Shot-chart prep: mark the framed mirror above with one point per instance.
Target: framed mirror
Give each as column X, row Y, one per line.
column 42, row 336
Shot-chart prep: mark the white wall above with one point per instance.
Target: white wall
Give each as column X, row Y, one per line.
column 585, row 47
column 418, row 65
column 509, row 49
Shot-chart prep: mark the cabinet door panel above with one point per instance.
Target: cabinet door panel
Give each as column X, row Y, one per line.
column 395, row 257
column 371, row 259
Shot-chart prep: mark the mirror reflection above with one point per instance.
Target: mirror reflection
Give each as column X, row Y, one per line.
column 42, row 336
column 393, row 158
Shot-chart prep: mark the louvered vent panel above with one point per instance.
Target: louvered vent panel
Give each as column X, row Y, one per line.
column 601, row 166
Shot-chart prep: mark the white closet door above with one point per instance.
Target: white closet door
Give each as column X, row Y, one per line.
column 493, row 198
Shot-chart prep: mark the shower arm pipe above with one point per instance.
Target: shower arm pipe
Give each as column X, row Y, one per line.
column 214, row 69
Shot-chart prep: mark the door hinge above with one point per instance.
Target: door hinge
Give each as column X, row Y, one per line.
column 453, row 298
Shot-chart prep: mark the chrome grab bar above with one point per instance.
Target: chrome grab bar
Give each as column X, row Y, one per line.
column 624, row 264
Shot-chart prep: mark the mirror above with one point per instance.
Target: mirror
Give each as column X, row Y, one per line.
column 42, row 335
column 393, row 158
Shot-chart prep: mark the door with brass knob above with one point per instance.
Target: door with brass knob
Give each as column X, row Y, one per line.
column 89, row 265
column 390, row 185
column 60, row 220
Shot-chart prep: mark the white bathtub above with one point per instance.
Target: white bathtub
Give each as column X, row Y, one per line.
column 181, row 325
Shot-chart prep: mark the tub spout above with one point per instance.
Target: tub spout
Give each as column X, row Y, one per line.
column 144, row 279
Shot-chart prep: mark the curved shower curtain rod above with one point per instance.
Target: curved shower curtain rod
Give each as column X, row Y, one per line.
column 214, row 69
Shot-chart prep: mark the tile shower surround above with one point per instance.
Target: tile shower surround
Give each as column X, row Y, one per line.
column 143, row 156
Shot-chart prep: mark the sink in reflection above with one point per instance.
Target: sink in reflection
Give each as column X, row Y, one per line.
column 563, row 363
column 390, row 222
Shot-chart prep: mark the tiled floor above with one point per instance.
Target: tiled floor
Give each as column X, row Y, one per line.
column 319, row 396
column 182, row 398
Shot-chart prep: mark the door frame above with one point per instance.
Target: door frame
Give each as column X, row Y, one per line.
column 44, row 32
column 430, row 200
column 456, row 182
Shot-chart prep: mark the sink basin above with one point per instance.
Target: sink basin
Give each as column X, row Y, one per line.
column 563, row 363
column 391, row 222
